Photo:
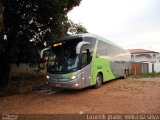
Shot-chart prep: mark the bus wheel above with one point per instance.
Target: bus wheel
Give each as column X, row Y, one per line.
column 98, row 81
column 125, row 74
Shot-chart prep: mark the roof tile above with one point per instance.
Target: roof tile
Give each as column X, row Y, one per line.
column 140, row 51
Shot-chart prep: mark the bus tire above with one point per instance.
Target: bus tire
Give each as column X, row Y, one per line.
column 125, row 74
column 98, row 81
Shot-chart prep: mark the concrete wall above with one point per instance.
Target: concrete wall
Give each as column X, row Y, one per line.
column 150, row 67
column 157, row 67
column 17, row 70
column 146, row 57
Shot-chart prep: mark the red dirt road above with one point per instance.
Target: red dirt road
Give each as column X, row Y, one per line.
column 132, row 96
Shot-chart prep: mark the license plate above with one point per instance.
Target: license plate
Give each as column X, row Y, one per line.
column 58, row 85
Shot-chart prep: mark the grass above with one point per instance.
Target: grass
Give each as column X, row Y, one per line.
column 147, row 75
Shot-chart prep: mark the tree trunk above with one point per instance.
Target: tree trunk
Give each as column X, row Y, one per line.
column 4, row 62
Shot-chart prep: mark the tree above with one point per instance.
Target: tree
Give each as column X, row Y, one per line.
column 76, row 28
column 4, row 67
column 29, row 24
column 1, row 28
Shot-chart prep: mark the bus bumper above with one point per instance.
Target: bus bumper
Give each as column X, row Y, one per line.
column 73, row 84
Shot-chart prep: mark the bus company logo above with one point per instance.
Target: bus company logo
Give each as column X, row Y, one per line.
column 9, row 117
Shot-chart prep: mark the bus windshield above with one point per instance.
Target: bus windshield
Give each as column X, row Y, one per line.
column 63, row 57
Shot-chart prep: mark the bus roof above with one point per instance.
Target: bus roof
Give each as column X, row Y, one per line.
column 90, row 35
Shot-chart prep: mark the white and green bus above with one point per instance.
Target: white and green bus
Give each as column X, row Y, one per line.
column 83, row 60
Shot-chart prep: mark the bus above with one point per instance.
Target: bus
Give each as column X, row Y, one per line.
column 83, row 60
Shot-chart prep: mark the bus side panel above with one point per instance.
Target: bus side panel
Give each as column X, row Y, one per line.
column 101, row 65
column 120, row 63
column 117, row 68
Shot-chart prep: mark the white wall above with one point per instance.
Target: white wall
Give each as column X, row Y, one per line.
column 157, row 67
column 137, row 58
column 150, row 67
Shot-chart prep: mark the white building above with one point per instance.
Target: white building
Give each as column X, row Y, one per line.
column 150, row 59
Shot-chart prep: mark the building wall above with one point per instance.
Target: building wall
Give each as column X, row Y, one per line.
column 25, row 71
column 146, row 57
column 150, row 67
column 150, row 62
column 157, row 67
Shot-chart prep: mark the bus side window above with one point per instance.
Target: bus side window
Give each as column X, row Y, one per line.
column 86, row 58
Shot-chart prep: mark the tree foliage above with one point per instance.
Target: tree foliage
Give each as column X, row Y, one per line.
column 31, row 23
column 27, row 25
column 76, row 28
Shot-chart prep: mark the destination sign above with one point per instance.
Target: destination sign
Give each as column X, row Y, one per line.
column 57, row 44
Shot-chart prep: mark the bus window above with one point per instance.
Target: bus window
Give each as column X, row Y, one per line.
column 102, row 49
column 89, row 57
column 86, row 58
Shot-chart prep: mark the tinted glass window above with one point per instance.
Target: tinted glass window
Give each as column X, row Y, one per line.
column 63, row 57
column 102, row 49
column 91, row 47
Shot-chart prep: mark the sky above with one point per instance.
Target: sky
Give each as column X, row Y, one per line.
column 131, row 24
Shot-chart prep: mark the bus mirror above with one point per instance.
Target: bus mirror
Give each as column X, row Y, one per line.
column 44, row 52
column 78, row 47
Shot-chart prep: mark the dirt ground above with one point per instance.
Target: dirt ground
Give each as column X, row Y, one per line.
column 131, row 96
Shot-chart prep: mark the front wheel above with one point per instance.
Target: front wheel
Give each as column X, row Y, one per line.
column 98, row 81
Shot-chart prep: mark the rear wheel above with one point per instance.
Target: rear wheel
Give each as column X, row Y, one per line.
column 98, row 81
column 126, row 73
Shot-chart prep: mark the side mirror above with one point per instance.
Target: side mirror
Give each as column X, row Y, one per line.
column 78, row 47
column 44, row 54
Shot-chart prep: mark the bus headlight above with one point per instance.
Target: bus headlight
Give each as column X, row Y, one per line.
column 73, row 77
column 48, row 77
column 76, row 85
